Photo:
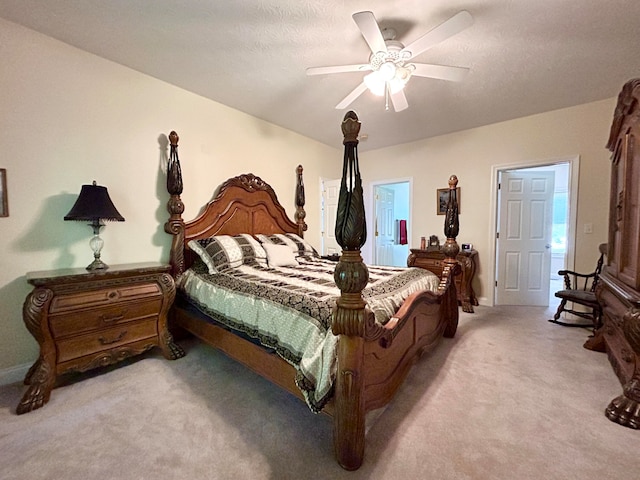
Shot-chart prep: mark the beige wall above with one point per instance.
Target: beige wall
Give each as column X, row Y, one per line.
column 69, row 117
column 471, row 154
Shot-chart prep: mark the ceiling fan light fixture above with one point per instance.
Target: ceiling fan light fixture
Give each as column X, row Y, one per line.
column 404, row 72
column 387, row 71
column 375, row 83
column 395, row 85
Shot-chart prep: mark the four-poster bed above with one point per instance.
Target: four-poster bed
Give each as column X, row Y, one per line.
column 372, row 356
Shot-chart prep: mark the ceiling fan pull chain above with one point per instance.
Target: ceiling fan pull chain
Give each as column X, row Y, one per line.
column 386, row 96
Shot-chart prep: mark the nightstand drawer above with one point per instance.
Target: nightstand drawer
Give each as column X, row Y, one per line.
column 92, row 319
column 73, row 347
column 99, row 298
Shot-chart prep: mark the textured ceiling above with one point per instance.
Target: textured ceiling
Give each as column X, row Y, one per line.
column 524, row 56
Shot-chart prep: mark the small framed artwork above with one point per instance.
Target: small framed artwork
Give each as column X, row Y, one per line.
column 443, row 198
column 4, row 199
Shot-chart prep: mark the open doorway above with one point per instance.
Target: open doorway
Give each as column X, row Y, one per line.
column 391, row 223
column 390, row 216
column 396, row 221
column 557, row 247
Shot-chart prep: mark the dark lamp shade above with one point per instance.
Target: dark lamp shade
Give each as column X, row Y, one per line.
column 93, row 204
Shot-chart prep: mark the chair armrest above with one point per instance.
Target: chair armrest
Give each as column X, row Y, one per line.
column 576, row 274
column 571, row 279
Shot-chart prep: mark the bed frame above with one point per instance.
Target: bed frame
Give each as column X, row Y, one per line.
column 373, row 360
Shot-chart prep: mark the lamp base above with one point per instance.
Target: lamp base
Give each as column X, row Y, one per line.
column 96, row 244
column 97, row 264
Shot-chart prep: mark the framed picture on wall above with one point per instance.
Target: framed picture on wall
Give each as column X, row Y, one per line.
column 443, row 198
column 4, row 199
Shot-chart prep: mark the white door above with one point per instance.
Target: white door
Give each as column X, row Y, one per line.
column 384, row 225
column 330, row 194
column 524, row 238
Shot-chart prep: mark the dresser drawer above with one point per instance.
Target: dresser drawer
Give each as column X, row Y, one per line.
column 102, row 297
column 75, row 322
column 73, row 347
column 432, row 264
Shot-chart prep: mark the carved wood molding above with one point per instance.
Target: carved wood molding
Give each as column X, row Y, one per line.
column 627, row 99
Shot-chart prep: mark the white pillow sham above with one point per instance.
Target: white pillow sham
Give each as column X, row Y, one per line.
column 279, row 255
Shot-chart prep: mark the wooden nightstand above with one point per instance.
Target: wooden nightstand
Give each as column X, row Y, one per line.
column 434, row 261
column 83, row 320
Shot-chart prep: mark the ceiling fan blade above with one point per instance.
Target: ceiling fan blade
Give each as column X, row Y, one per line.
column 399, row 101
column 338, row 69
column 355, row 93
column 370, row 31
column 446, row 29
column 442, row 72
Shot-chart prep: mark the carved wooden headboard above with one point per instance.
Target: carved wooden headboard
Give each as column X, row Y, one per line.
column 244, row 204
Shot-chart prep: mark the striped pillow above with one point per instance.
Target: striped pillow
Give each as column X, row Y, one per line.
column 226, row 251
column 298, row 245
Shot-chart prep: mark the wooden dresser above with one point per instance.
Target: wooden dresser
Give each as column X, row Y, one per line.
column 434, row 261
column 83, row 320
column 619, row 287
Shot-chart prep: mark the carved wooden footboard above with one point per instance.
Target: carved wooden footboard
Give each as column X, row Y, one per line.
column 373, row 359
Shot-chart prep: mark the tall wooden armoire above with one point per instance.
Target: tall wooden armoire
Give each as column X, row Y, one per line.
column 619, row 287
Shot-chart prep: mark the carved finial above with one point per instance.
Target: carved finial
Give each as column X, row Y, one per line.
column 300, row 199
column 453, row 181
column 174, row 173
column 350, row 127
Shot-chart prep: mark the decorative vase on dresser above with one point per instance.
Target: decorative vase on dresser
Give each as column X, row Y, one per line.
column 619, row 288
column 86, row 319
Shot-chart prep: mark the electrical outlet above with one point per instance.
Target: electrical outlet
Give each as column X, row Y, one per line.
column 588, row 228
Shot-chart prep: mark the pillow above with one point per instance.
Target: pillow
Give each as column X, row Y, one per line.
column 226, row 251
column 279, row 255
column 297, row 244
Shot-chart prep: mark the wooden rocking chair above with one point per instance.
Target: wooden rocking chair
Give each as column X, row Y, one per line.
column 580, row 288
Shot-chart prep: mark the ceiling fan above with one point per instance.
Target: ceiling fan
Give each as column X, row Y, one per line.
column 390, row 61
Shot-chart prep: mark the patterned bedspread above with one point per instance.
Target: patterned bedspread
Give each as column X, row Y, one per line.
column 289, row 309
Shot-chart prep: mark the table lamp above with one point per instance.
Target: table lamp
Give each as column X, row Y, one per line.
column 94, row 205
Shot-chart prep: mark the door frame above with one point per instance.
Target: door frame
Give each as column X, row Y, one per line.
column 369, row 202
column 574, row 171
column 321, row 183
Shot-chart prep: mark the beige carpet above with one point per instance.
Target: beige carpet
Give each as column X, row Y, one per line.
column 511, row 397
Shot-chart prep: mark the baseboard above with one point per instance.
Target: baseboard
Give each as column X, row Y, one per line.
column 14, row 374
column 484, row 301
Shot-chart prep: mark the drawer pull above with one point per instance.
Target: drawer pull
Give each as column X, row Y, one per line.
column 114, row 318
column 104, row 341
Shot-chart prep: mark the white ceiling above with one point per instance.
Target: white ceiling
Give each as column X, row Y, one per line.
column 525, row 56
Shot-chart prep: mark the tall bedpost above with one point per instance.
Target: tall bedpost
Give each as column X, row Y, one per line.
column 300, row 213
column 175, row 224
column 451, row 250
column 350, row 315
